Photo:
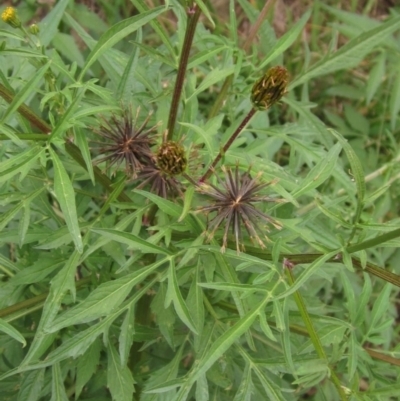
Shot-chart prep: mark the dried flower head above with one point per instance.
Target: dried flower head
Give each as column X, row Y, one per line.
column 9, row 16
column 270, row 88
column 126, row 144
column 234, row 204
column 161, row 184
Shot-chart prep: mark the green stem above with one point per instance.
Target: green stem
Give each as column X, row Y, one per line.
column 239, row 129
column 380, row 239
column 313, row 335
column 193, row 17
column 28, row 303
column 311, row 257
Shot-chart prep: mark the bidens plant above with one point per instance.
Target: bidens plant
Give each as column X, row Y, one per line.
column 177, row 222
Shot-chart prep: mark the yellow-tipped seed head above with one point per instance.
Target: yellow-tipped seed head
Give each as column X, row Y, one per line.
column 270, row 88
column 171, row 158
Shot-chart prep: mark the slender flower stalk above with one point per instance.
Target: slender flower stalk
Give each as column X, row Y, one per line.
column 238, row 130
column 266, row 91
column 193, row 17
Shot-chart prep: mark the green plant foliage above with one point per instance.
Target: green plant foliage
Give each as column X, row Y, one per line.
column 199, row 203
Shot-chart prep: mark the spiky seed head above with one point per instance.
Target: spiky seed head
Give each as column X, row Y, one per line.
column 161, row 184
column 10, row 17
column 233, row 202
column 171, row 158
column 126, row 143
column 270, row 88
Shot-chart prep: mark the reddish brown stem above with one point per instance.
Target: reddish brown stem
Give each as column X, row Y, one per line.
column 193, row 17
column 228, row 145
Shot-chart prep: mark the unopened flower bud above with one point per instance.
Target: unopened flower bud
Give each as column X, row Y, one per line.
column 34, row 29
column 270, row 88
column 9, row 16
column 171, row 158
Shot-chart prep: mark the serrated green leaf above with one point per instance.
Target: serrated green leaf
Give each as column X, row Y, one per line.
column 82, row 143
column 320, row 172
column 394, row 102
column 195, row 301
column 57, row 385
column 6, row 130
column 119, row 378
column 165, row 317
column 214, row 76
column 233, row 27
column 125, row 86
column 187, row 203
column 66, row 197
column 246, row 386
column 204, row 55
column 104, row 299
column 65, row 121
column 126, row 335
column 24, row 223
column 17, row 164
column 272, row 389
column 37, row 271
column 131, row 240
column 376, row 77
column 234, row 287
column 12, row 332
column 158, row 28
column 357, row 171
column 118, row 32
column 380, row 306
column 87, row 366
column 202, row 393
column 78, row 344
column 265, row 326
column 31, row 386
column 165, row 377
column 174, row 293
column 362, row 301
column 286, row 40
column 205, row 11
column 8, row 216
column 61, row 283
column 49, row 24
column 306, row 274
column 219, row 346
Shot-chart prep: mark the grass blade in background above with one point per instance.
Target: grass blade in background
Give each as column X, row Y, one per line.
column 350, row 54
